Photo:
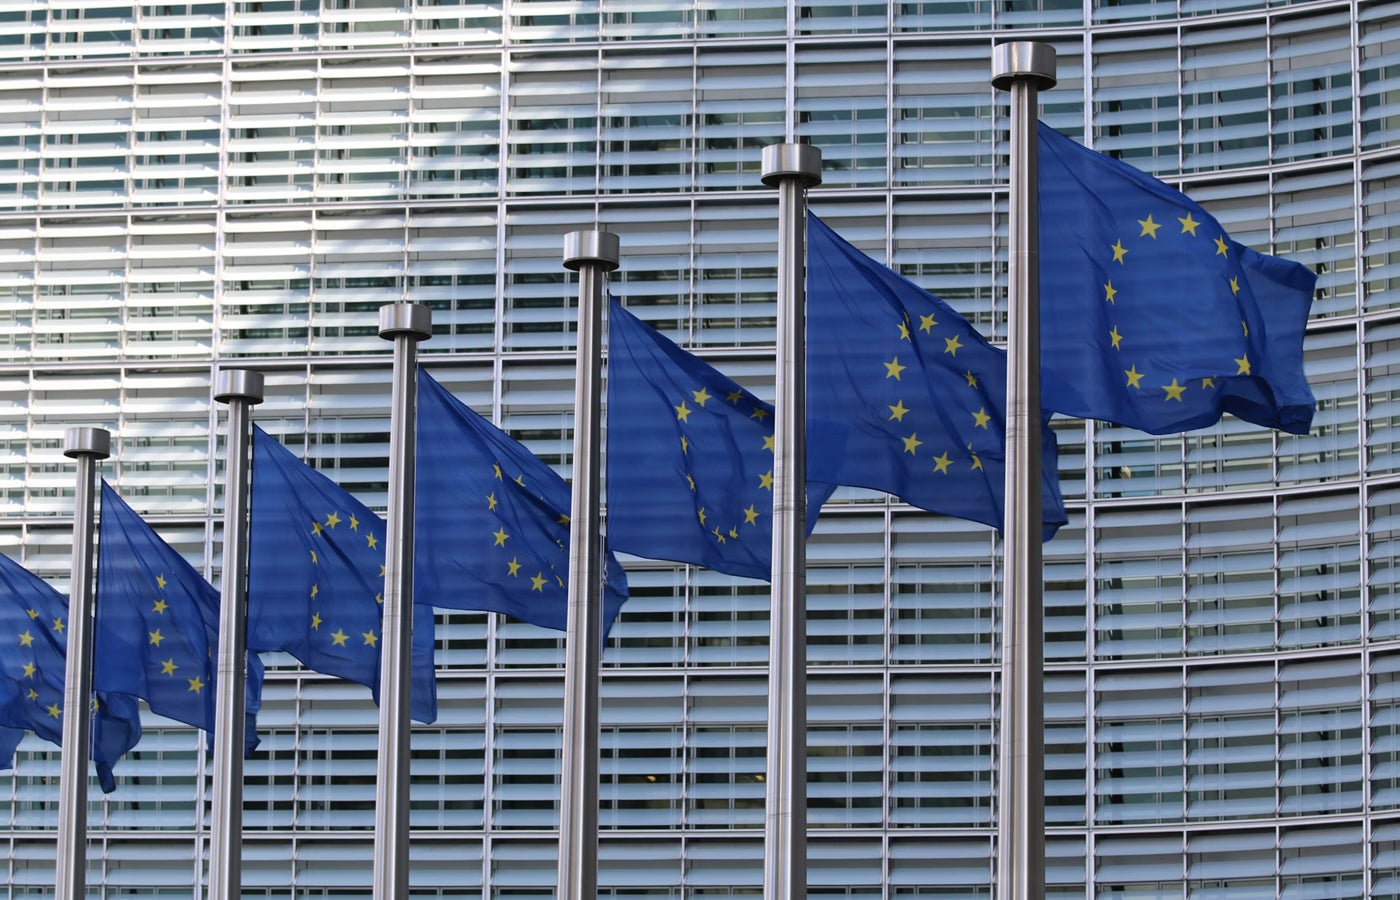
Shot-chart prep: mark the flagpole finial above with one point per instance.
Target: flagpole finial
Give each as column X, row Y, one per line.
column 781, row 161
column 84, row 440
column 597, row 247
column 238, row 384
column 412, row 319
column 1023, row 59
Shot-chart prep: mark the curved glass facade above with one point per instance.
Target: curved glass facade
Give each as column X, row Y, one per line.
column 191, row 183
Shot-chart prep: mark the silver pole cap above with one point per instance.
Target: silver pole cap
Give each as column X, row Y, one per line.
column 1023, row 59
column 597, row 247
column 409, row 319
column 238, row 384
column 85, row 440
column 781, row 161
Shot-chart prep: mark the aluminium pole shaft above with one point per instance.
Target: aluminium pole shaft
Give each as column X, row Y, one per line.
column 591, row 254
column 405, row 324
column 792, row 168
column 87, row 446
column 1023, row 68
column 241, row 389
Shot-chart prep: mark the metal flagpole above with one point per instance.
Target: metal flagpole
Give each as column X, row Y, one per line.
column 87, row 446
column 1023, row 68
column 590, row 253
column 405, row 324
column 792, row 168
column 241, row 389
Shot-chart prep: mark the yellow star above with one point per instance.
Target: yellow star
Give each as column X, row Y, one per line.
column 32, row 613
column 196, row 684
column 315, row 590
column 354, row 524
column 315, row 528
column 976, row 460
column 563, row 519
column 981, row 417
column 898, row 411
column 33, row 694
column 770, row 443
column 332, row 520
column 734, row 533
column 1174, row 390
column 971, row 379
column 903, row 331
column 156, row 637
column 381, row 570
column 952, row 345
column 490, row 501
column 700, row 396
column 690, row 480
column 314, row 560
column 1243, row 363
column 750, row 516
column 765, row 480
column 537, row 583
column 685, row 444
column 372, row 541
column 1119, row 252
column 1245, row 326
column 496, row 467
column 26, row 639
column 168, row 667
column 371, row 639
column 1188, row 225
column 58, row 625
column 683, row 412
column 338, row 638
column 501, row 536
column 941, row 463
column 559, row 581
column 1207, row 383
column 379, row 598
column 1109, row 292
column 1149, row 227
column 927, row 322
column 54, row 710
column 513, row 566
column 1116, row 338
column 759, row 413
column 160, row 582
column 520, row 479
column 702, row 515
column 30, row 669
column 1134, row 376
column 1235, row 285
column 1221, row 249
column 735, row 396
column 893, row 368
column 316, row 621
column 911, row 442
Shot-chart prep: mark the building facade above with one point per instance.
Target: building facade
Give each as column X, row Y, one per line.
column 191, row 184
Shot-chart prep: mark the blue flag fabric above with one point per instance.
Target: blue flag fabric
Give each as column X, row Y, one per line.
column 492, row 525
column 157, row 624
column 1151, row 316
column 9, row 742
column 316, row 577
column 903, row 395
column 33, row 644
column 690, row 457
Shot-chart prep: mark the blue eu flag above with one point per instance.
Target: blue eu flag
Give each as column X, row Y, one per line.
column 157, row 623
column 690, row 457
column 492, row 524
column 33, row 644
column 1150, row 315
column 903, row 395
column 316, row 577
